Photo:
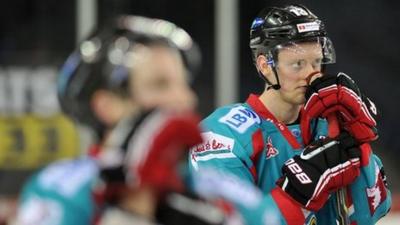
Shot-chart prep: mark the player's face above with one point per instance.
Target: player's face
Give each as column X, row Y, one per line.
column 295, row 64
column 160, row 80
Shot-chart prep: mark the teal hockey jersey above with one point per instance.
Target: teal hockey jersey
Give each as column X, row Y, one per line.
column 60, row 194
column 247, row 141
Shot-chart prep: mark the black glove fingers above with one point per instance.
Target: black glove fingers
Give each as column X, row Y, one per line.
column 323, row 82
column 349, row 145
column 354, row 152
column 309, row 92
column 346, row 140
column 332, row 157
column 344, row 80
column 320, row 82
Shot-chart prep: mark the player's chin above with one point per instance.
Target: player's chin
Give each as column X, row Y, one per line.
column 299, row 99
column 302, row 89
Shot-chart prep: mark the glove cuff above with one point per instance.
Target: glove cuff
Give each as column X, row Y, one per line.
column 292, row 192
column 291, row 210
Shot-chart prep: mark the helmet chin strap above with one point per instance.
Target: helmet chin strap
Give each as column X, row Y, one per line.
column 277, row 86
column 274, row 86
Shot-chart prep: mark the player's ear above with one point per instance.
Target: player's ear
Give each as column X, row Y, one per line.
column 264, row 68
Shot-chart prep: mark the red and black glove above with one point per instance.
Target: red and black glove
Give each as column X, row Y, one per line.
column 322, row 168
column 338, row 94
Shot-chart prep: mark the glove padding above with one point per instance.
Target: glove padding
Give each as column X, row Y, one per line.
column 341, row 96
column 322, row 168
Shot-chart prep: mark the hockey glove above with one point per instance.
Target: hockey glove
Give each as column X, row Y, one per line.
column 339, row 95
column 322, row 168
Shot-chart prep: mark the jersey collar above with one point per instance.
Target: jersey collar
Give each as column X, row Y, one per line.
column 256, row 104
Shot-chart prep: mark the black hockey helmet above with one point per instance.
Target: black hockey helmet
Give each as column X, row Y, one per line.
column 275, row 27
column 100, row 62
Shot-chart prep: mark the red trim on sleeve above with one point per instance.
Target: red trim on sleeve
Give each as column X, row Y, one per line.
column 290, row 210
column 366, row 153
column 258, row 146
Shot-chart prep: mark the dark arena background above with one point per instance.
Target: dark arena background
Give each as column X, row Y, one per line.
column 37, row 35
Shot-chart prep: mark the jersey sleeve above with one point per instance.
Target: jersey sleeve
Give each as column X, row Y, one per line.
column 254, row 206
column 55, row 196
column 227, row 142
column 231, row 142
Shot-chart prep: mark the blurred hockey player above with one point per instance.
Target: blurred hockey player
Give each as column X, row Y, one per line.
column 281, row 140
column 129, row 83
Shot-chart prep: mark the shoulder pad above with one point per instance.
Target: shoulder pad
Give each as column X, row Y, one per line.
column 68, row 176
column 237, row 117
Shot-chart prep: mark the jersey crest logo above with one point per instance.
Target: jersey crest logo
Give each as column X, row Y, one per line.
column 271, row 150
